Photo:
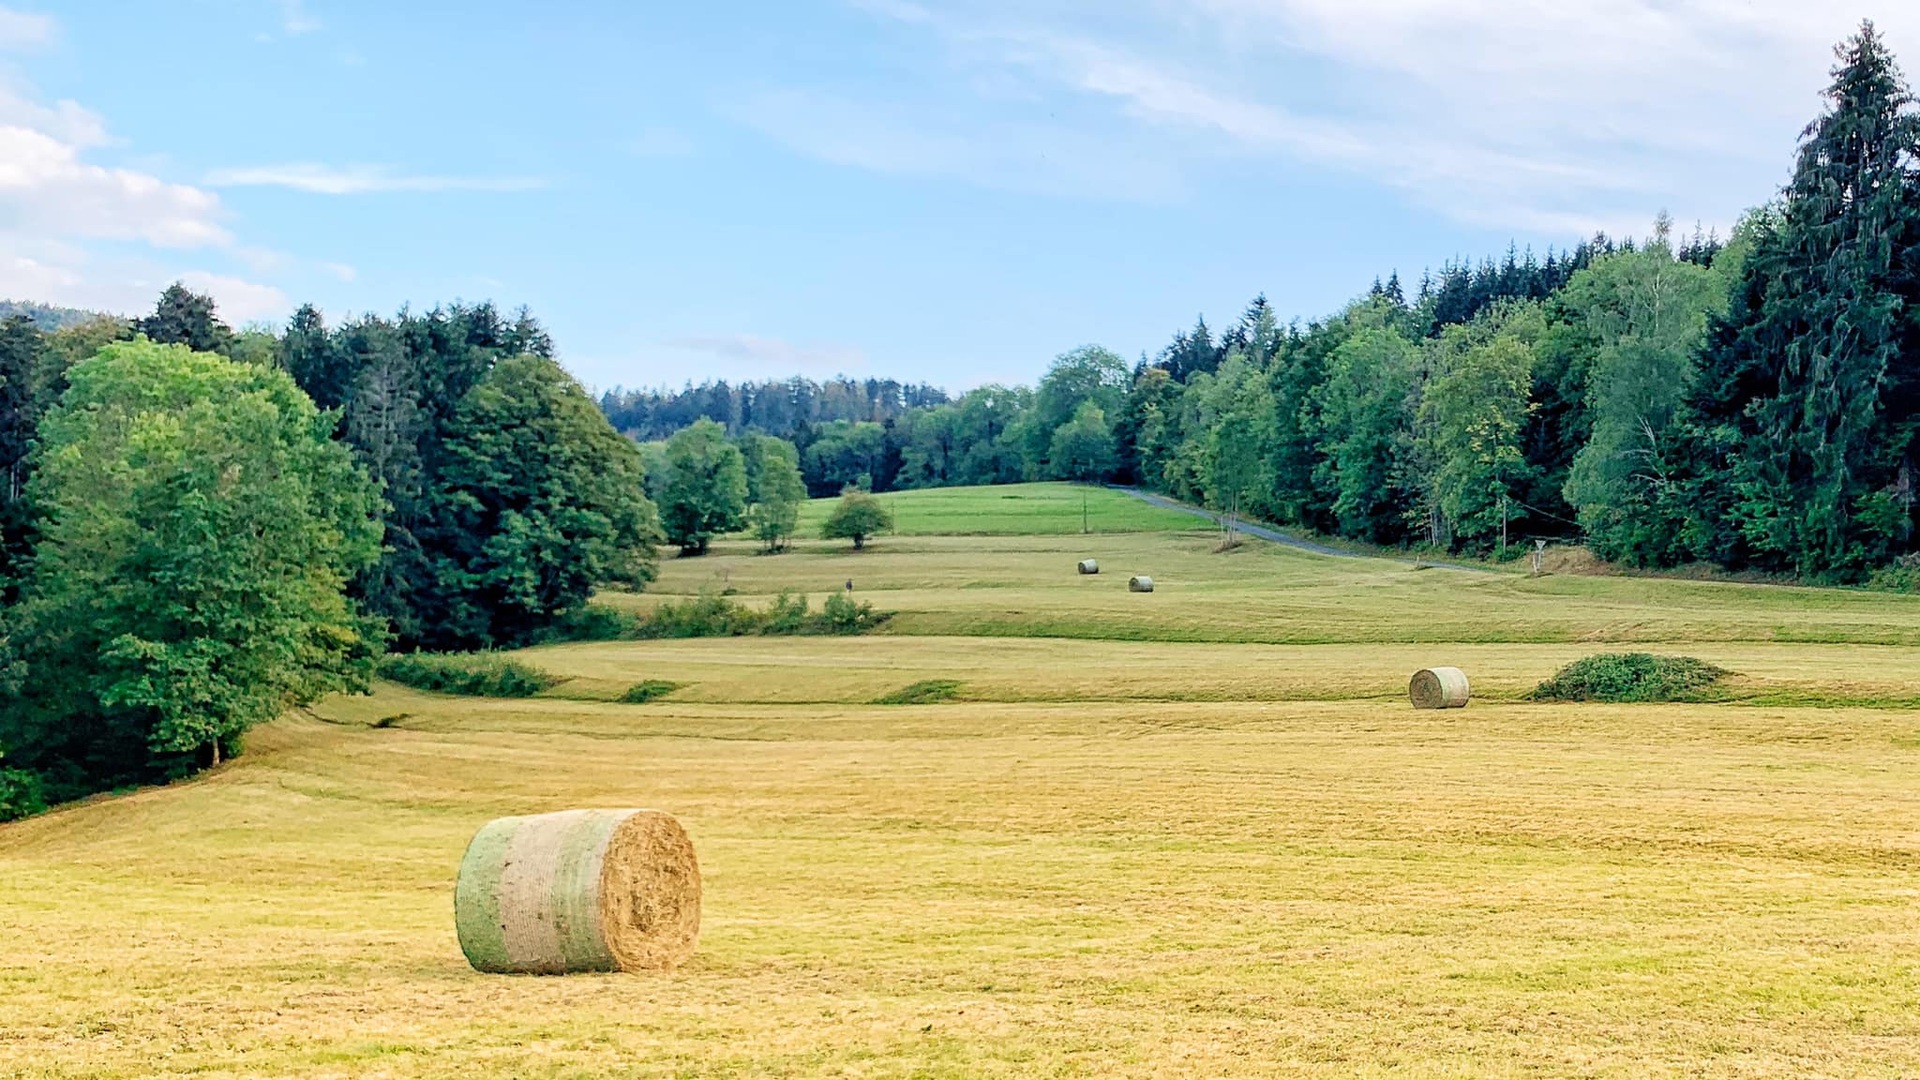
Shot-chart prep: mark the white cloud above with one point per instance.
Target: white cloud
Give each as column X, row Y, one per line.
column 321, row 179
column 22, row 29
column 76, row 232
column 239, row 301
column 1049, row 159
column 295, row 19
column 754, row 355
column 1556, row 115
column 340, row 270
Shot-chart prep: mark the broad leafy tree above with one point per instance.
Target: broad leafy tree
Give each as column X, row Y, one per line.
column 538, row 501
column 857, row 517
column 198, row 527
column 705, row 493
column 775, row 491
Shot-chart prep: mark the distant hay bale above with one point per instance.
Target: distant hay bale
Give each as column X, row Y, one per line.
column 1089, row 566
column 578, row 890
column 1139, row 583
column 1439, row 688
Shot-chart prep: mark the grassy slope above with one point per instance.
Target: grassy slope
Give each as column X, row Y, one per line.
column 1069, row 879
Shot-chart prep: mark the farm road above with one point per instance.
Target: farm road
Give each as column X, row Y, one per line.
column 1274, row 535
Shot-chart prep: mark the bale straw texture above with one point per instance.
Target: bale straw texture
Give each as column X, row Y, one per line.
column 1438, row 688
column 578, row 890
column 1089, row 566
column 1139, row 584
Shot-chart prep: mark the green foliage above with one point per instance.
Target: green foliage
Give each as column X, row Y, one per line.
column 1630, row 678
column 540, row 501
column 925, row 692
column 198, row 527
column 705, row 491
column 22, row 794
column 651, row 690
column 1471, row 419
column 856, row 517
column 775, row 489
column 1644, row 316
column 1365, row 419
column 1082, row 448
column 1088, row 375
column 466, row 674
column 1808, row 403
column 184, row 317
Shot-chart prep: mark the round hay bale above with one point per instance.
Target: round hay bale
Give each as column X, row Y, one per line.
column 1438, row 688
column 1139, row 583
column 1089, row 566
column 579, row 890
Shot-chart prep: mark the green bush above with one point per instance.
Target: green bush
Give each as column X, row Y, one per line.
column 468, row 674
column 925, row 692
column 21, row 794
column 1630, row 677
column 642, row 692
column 712, row 614
column 592, row 622
column 1903, row 576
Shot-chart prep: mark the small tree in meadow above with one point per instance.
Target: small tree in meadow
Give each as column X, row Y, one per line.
column 857, row 516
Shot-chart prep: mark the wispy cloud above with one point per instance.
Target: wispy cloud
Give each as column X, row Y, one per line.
column 24, row 29
column 1050, row 159
column 755, row 355
column 295, row 19
column 1522, row 113
column 321, row 179
column 340, row 270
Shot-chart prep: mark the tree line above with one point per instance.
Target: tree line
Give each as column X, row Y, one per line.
column 1749, row 402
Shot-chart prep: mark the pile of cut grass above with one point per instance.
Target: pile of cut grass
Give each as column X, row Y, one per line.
column 1631, row 678
column 467, row 674
column 652, row 689
column 925, row 692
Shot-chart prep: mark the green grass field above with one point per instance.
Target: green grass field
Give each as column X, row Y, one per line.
column 1192, row 833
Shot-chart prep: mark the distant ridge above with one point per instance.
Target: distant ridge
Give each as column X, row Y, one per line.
column 47, row 316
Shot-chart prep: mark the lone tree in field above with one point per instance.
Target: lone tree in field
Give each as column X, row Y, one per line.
column 198, row 527
column 857, row 516
column 706, row 489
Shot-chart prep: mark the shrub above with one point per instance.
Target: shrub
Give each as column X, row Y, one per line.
column 592, row 622
column 925, row 692
column 467, row 674
column 787, row 616
column 1630, row 677
column 1903, row 576
column 642, row 692
column 21, row 794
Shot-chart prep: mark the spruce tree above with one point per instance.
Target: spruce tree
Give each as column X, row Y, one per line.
column 1795, row 394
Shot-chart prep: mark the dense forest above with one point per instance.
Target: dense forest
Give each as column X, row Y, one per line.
column 201, row 527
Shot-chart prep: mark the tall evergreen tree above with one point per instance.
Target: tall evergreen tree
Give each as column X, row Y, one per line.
column 185, row 317
column 1805, row 402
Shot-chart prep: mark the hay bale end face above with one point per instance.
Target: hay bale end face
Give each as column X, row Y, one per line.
column 576, row 891
column 1089, row 566
column 1439, row 688
column 1140, row 583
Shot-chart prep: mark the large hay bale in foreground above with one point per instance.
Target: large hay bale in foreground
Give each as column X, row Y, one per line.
column 1139, row 583
column 579, row 890
column 1439, row 688
column 1089, row 566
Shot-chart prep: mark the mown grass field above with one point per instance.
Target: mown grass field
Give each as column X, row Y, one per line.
column 1192, row 833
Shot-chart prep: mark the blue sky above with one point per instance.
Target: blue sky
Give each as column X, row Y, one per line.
column 953, row 192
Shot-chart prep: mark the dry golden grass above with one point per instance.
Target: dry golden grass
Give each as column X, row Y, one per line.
column 1120, row 858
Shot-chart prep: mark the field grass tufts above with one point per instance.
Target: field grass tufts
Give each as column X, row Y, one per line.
column 652, row 689
column 1630, row 678
column 467, row 674
column 925, row 692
